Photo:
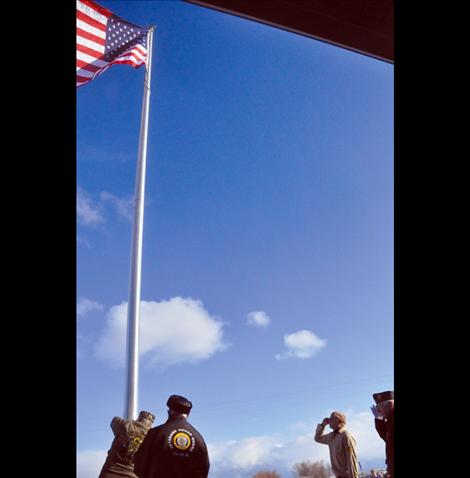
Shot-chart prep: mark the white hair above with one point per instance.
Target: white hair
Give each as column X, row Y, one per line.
column 173, row 413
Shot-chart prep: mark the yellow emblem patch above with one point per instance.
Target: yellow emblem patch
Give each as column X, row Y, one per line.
column 181, row 440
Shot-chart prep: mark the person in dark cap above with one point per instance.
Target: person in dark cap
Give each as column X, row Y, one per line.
column 128, row 436
column 383, row 412
column 174, row 449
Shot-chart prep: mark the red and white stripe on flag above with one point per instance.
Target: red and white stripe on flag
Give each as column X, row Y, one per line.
column 95, row 51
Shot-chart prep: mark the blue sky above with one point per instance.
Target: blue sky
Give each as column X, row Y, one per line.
column 267, row 275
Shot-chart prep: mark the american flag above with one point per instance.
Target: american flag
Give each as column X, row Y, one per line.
column 104, row 39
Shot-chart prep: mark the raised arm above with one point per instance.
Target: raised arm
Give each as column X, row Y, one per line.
column 118, row 424
column 319, row 437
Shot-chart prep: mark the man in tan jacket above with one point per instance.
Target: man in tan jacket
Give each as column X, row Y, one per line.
column 342, row 446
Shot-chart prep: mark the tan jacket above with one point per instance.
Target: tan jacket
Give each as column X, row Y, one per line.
column 343, row 453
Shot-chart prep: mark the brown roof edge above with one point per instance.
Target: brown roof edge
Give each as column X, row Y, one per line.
column 320, row 21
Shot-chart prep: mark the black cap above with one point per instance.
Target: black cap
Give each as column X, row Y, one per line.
column 382, row 396
column 179, row 404
column 143, row 415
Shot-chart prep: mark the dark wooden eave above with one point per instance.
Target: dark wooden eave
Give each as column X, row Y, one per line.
column 363, row 26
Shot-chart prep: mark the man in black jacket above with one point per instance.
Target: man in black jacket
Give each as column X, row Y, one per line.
column 174, row 449
column 128, row 435
column 383, row 412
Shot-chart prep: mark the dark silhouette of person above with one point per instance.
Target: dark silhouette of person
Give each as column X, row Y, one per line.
column 174, row 449
column 383, row 412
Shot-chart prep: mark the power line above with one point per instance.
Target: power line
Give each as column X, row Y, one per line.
column 270, row 406
column 283, row 395
column 244, row 405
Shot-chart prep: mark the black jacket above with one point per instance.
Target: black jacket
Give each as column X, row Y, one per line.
column 385, row 429
column 174, row 449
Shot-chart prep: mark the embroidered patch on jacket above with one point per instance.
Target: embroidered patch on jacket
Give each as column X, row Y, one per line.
column 181, row 439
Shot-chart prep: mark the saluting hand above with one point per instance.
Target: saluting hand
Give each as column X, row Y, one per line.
column 376, row 412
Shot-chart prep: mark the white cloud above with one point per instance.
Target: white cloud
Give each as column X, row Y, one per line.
column 258, row 318
column 173, row 331
column 242, row 454
column 124, row 207
column 88, row 212
column 242, row 458
column 303, row 344
column 89, row 463
column 370, row 446
column 85, row 306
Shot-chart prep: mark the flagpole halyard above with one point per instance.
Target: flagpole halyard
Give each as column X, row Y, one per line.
column 133, row 311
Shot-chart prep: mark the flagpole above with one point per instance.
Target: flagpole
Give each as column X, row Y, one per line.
column 133, row 311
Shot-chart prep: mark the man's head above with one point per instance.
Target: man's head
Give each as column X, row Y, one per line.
column 146, row 418
column 178, row 405
column 337, row 420
column 386, row 407
column 385, row 403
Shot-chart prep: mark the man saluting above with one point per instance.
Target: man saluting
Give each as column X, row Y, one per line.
column 342, row 446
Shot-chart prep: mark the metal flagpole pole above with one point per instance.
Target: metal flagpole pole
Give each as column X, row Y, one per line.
column 133, row 311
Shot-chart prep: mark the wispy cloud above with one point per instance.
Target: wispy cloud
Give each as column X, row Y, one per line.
column 302, row 345
column 85, row 306
column 83, row 346
column 88, row 211
column 92, row 154
column 258, row 318
column 172, row 331
column 83, row 242
column 123, row 206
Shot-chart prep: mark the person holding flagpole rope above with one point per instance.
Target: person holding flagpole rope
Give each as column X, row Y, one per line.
column 128, row 436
